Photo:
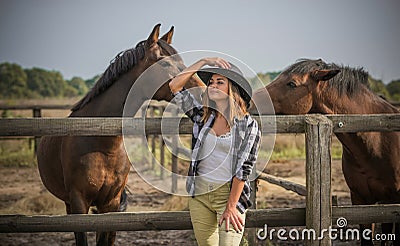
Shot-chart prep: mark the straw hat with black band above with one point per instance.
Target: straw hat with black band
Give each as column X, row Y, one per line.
column 234, row 74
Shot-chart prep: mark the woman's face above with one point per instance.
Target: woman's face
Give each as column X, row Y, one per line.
column 218, row 87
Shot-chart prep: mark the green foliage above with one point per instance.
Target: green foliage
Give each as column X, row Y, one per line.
column 263, row 79
column 17, row 153
column 394, row 90
column 16, row 82
column 90, row 82
column 378, row 87
column 79, row 84
column 12, row 80
column 45, row 83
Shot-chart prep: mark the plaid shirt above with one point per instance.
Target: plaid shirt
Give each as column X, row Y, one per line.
column 246, row 139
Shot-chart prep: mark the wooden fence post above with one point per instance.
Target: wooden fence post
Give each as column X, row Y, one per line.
column 144, row 137
column 36, row 114
column 318, row 178
column 153, row 142
column 162, row 147
column 174, row 160
column 252, row 232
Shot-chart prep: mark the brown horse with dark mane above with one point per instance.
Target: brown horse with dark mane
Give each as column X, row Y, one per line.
column 370, row 160
column 93, row 171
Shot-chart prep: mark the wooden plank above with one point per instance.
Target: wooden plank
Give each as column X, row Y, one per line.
column 281, row 123
column 37, row 113
column 60, row 126
column 35, row 106
column 174, row 159
column 365, row 122
column 148, row 221
column 151, row 103
column 168, row 125
column 286, row 184
column 367, row 214
column 318, row 176
column 313, row 178
column 325, row 136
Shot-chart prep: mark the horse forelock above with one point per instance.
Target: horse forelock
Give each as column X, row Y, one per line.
column 348, row 82
column 121, row 64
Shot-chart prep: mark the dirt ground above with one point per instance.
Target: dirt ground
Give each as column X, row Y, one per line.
column 21, row 192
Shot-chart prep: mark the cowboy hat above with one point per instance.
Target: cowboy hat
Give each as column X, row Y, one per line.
column 234, row 74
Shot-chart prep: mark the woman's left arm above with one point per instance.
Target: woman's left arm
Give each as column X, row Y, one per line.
column 231, row 214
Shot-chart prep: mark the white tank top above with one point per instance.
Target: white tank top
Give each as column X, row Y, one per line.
column 216, row 158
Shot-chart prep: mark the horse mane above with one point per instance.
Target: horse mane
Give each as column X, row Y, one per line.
column 349, row 81
column 122, row 63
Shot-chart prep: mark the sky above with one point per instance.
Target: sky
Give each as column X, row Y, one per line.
column 80, row 38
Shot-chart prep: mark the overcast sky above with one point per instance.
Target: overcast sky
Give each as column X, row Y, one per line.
column 79, row 38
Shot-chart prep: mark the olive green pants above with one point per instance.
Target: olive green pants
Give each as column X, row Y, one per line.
column 205, row 212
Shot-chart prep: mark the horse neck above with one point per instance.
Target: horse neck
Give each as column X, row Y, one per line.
column 110, row 103
column 364, row 102
column 328, row 101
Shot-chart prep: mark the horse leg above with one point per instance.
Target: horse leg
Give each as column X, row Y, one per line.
column 80, row 238
column 357, row 200
column 108, row 238
column 78, row 206
column 396, row 240
column 387, row 228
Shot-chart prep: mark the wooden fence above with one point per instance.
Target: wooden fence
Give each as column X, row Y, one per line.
column 318, row 214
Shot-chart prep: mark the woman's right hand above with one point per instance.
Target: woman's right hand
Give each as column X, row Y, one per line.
column 216, row 62
column 177, row 83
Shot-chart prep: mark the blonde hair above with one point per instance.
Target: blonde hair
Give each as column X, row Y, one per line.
column 236, row 105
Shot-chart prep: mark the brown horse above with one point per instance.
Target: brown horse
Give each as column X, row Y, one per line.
column 370, row 160
column 93, row 171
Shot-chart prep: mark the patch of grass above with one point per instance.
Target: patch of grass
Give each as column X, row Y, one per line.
column 17, row 153
column 293, row 147
column 176, row 203
column 43, row 203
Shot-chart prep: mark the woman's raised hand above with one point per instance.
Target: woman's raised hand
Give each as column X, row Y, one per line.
column 178, row 82
column 216, row 62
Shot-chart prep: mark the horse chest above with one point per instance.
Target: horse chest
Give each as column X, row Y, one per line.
column 368, row 179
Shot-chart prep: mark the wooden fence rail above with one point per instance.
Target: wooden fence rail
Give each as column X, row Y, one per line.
column 150, row 221
column 137, row 126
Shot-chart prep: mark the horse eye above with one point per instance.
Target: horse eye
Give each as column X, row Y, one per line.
column 291, row 84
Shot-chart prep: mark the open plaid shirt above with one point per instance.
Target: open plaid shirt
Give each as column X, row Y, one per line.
column 246, row 139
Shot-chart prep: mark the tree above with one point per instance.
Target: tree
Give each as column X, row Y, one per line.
column 12, row 81
column 78, row 84
column 265, row 78
column 90, row 82
column 46, row 83
column 394, row 90
column 378, row 87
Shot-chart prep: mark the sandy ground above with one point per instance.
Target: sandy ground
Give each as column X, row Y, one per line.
column 21, row 191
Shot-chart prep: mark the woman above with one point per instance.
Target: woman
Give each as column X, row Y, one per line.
column 224, row 150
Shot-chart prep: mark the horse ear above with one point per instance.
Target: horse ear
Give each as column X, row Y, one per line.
column 326, row 74
column 153, row 38
column 168, row 36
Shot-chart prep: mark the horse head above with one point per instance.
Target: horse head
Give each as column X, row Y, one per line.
column 146, row 69
column 295, row 90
